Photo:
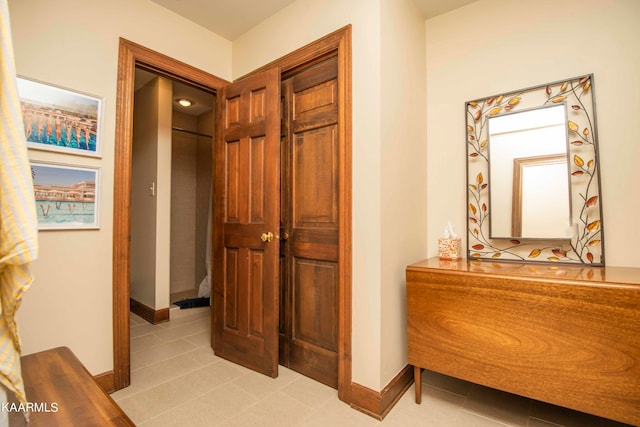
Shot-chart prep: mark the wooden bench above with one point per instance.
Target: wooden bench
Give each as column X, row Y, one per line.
column 66, row 393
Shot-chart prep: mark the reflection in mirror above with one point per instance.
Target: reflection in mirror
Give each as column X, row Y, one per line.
column 540, row 207
column 521, row 173
column 555, row 155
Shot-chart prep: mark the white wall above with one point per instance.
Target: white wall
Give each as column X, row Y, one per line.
column 151, row 208
column 493, row 46
column 144, row 173
column 163, row 195
column 74, row 43
column 403, row 183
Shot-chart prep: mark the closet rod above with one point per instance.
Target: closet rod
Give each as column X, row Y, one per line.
column 191, row 132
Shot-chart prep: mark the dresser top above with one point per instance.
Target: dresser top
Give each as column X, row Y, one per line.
column 623, row 276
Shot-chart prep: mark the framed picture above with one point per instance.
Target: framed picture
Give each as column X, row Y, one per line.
column 66, row 196
column 57, row 119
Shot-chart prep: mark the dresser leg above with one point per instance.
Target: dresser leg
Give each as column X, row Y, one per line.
column 417, row 379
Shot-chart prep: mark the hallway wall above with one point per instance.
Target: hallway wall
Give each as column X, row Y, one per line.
column 467, row 60
column 74, row 44
column 151, row 207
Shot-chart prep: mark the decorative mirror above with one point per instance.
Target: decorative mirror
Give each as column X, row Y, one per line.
column 533, row 175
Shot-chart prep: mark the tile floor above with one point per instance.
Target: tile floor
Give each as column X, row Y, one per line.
column 177, row 381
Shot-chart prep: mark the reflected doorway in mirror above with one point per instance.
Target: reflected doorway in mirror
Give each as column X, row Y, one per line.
column 522, row 139
column 540, row 207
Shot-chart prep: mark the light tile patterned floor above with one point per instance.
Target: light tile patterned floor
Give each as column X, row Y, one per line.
column 177, row 381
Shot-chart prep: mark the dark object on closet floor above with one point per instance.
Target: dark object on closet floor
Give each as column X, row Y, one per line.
column 192, row 302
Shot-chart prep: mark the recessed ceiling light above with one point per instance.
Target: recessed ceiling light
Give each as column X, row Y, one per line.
column 185, row 102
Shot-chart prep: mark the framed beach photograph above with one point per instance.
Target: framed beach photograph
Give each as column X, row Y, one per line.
column 66, row 196
column 57, row 119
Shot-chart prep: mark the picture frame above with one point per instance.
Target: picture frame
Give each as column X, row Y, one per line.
column 67, row 196
column 59, row 119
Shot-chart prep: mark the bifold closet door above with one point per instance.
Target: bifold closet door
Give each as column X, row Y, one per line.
column 310, row 227
column 247, row 218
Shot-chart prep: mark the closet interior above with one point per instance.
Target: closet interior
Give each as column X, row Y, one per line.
column 170, row 191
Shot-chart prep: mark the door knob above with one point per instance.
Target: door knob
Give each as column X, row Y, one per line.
column 266, row 237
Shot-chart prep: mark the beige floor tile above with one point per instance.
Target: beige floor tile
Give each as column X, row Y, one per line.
column 213, row 408
column 239, row 367
column 141, row 329
column 337, row 413
column 282, row 410
column 205, row 356
column 223, row 403
column 166, row 370
column 261, row 386
column 182, row 416
column 126, row 392
column 147, row 404
column 248, row 419
column 180, row 317
column 201, row 339
column 135, row 320
column 310, row 392
column 469, row 419
column 499, row 406
column 446, row 383
column 568, row 418
column 142, row 343
column 181, row 331
column 212, row 376
column 160, row 352
column 178, row 381
column 438, row 408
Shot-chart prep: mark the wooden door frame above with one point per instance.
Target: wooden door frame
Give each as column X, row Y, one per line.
column 131, row 55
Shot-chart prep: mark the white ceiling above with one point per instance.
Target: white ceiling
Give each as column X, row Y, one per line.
column 231, row 18
column 202, row 101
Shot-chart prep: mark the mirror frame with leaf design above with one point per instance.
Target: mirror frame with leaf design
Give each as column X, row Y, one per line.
column 585, row 243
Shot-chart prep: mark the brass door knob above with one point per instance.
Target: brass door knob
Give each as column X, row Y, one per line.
column 266, row 237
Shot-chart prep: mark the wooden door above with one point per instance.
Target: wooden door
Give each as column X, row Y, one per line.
column 247, row 214
column 309, row 263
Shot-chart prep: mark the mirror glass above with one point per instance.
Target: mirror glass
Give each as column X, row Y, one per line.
column 528, row 174
column 533, row 175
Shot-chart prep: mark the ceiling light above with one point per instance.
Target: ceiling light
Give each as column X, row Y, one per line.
column 185, row 102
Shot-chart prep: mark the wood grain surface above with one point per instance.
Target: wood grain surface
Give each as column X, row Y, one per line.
column 65, row 393
column 560, row 334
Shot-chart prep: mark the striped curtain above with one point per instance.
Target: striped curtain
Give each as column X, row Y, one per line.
column 18, row 220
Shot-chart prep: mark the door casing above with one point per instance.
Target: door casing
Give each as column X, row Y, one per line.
column 132, row 55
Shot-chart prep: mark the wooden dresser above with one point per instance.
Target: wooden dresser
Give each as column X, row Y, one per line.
column 566, row 335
